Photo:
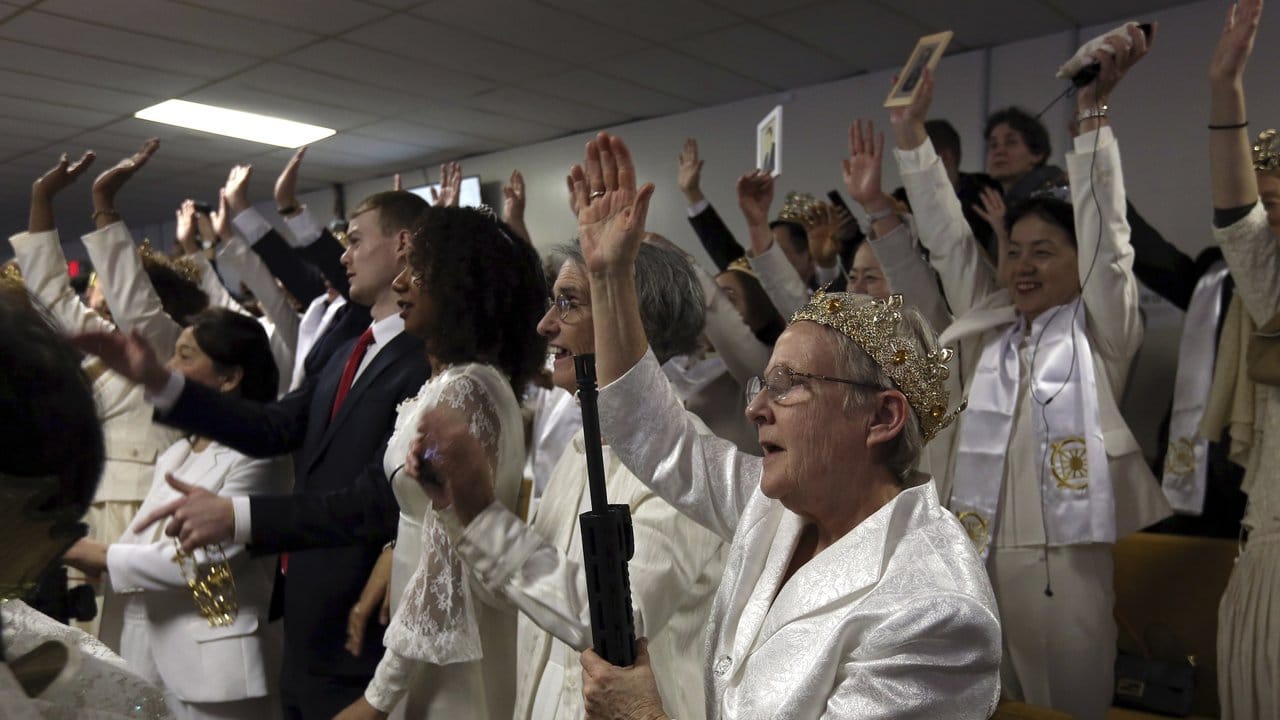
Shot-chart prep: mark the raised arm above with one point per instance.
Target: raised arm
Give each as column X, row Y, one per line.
column 133, row 300
column 513, row 202
column 1240, row 224
column 39, row 252
column 704, row 477
column 778, row 277
column 715, row 236
column 188, row 240
column 1105, row 257
column 251, row 269
column 966, row 275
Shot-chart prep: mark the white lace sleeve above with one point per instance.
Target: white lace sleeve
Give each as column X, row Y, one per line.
column 436, row 619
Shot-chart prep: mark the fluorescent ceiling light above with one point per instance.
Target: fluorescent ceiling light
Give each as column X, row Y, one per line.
column 234, row 123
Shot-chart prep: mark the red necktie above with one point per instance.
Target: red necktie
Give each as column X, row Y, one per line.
column 349, row 372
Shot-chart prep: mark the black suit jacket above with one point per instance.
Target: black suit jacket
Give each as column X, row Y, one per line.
column 342, row 510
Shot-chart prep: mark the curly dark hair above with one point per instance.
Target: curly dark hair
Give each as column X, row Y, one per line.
column 487, row 292
column 1049, row 209
column 233, row 340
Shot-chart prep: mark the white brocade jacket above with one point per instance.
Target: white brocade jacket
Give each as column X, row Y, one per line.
column 896, row 619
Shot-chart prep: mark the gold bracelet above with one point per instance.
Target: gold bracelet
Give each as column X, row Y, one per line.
column 104, row 211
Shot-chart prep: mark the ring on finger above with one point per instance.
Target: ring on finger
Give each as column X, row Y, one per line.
column 595, row 194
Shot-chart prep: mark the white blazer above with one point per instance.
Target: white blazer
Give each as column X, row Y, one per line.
column 197, row 662
column 896, row 619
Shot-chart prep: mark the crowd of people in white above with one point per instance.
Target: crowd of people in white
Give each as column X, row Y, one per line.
column 875, row 462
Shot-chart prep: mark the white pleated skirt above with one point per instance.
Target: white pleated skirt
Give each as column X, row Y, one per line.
column 1249, row 632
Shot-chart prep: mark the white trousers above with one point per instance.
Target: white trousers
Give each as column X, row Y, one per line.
column 1059, row 650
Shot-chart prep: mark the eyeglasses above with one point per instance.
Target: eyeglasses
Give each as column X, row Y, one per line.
column 782, row 379
column 565, row 306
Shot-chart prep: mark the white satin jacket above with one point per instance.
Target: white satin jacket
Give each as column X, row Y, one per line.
column 897, row 619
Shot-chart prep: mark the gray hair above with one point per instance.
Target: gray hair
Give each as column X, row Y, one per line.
column 672, row 304
column 903, row 453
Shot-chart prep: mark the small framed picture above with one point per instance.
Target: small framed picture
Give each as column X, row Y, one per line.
column 769, row 142
column 928, row 52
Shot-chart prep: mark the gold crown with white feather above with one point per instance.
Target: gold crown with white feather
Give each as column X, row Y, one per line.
column 876, row 326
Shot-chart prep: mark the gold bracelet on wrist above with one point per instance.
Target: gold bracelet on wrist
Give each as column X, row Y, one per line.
column 104, row 211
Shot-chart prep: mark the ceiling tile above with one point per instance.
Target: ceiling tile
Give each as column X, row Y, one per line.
column 864, row 35
column 441, row 46
column 237, row 94
column 483, row 124
column 337, row 16
column 765, row 55
column 549, row 111
column 661, row 21
column 39, row 111
column 999, row 20
column 97, row 41
column 413, row 133
column 683, row 76
column 391, row 72
column 588, row 87
column 1088, row 12
column 45, row 130
column 756, row 8
column 191, row 26
column 374, row 149
column 300, row 84
column 397, row 4
column 95, row 98
column 54, row 63
column 546, row 30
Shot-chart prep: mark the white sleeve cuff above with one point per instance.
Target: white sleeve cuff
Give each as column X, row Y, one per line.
column 825, row 275
column 168, row 397
column 243, row 532
column 304, row 227
column 251, row 225
column 1100, row 138
column 699, row 207
column 917, row 160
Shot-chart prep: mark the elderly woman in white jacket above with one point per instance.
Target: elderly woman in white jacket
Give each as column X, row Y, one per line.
column 1043, row 471
column 847, row 589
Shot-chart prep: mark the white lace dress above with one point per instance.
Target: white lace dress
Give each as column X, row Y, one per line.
column 450, row 646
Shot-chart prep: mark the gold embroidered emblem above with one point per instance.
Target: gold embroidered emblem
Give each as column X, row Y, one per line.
column 976, row 527
column 1069, row 463
column 1180, row 460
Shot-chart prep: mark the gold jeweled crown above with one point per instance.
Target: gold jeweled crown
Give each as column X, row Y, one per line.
column 742, row 265
column 1266, row 156
column 798, row 208
column 184, row 266
column 11, row 276
column 874, row 326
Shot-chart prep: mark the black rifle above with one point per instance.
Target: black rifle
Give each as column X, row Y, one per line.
column 607, row 539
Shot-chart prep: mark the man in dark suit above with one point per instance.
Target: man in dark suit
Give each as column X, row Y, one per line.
column 342, row 511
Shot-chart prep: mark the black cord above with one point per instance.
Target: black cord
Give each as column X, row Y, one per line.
column 1071, row 369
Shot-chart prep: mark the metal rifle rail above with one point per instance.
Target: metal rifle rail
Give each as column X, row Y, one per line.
column 607, row 539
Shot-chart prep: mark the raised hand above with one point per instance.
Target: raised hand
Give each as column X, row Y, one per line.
column 186, row 226
column 991, row 208
column 862, row 169
column 221, row 218
column 611, row 211
column 690, row 177
column 755, row 197
column 50, row 184
column 129, row 355
column 110, row 181
column 513, row 202
column 62, row 175
column 908, row 120
column 396, row 183
column 820, row 226
column 1125, row 52
column 460, row 476
column 237, row 188
column 450, row 186
column 286, row 191
column 1235, row 44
